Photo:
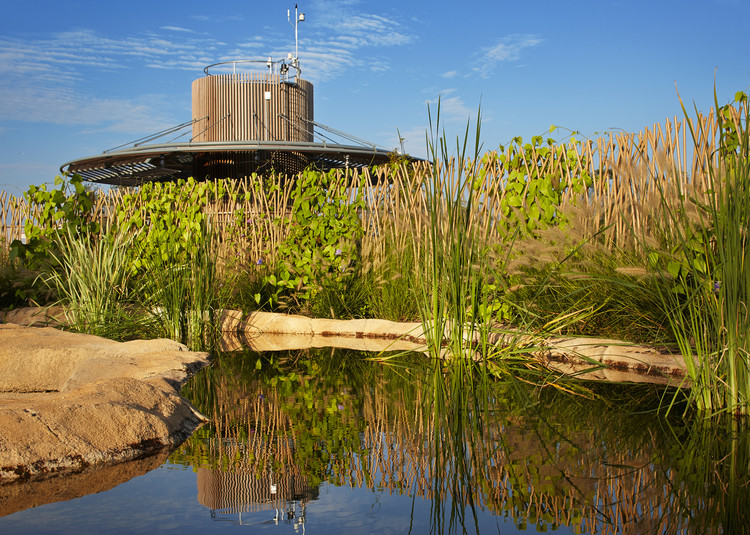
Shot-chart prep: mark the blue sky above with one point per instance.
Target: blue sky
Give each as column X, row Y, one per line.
column 78, row 77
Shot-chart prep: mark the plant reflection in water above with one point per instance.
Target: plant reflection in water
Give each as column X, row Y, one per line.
column 473, row 446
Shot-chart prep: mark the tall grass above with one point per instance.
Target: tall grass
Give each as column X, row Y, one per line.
column 443, row 220
column 709, row 461
column 91, row 277
column 561, row 273
column 104, row 295
column 388, row 264
column 448, row 257
column 708, row 303
column 181, row 298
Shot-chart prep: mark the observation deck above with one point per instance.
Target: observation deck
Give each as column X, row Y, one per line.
column 248, row 116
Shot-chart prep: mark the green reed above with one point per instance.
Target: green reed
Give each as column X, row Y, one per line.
column 708, row 463
column 103, row 294
column 469, row 443
column 181, row 297
column 707, row 304
column 391, row 274
column 455, row 398
column 449, row 255
column 92, row 279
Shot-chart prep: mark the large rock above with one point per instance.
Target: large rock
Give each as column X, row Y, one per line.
column 69, row 401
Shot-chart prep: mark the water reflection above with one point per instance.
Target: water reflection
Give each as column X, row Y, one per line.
column 229, row 494
column 26, row 494
column 474, row 447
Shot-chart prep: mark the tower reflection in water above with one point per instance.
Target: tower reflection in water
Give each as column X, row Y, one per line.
column 230, row 494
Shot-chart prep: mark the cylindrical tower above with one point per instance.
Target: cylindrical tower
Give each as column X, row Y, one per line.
column 252, row 107
column 253, row 121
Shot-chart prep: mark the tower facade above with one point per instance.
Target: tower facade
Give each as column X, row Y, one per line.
column 252, row 107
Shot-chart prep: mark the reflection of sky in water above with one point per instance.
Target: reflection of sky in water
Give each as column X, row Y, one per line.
column 293, row 423
column 165, row 501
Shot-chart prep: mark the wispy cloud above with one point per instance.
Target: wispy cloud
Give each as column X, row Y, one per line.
column 345, row 18
column 46, row 79
column 508, row 48
column 368, row 29
column 64, row 54
column 216, row 18
column 343, row 37
column 65, row 106
column 177, row 29
column 452, row 106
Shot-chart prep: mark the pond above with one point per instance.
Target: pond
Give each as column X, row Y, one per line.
column 324, row 441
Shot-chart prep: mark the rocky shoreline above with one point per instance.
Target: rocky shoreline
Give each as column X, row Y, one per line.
column 70, row 401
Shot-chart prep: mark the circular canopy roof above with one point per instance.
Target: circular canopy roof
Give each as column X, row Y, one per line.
column 158, row 162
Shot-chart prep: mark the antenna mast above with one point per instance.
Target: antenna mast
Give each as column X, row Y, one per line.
column 298, row 17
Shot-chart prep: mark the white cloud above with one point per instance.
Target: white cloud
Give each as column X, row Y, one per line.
column 341, row 32
column 373, row 30
column 47, row 80
column 216, row 18
column 450, row 74
column 455, row 108
column 176, row 29
column 66, row 106
column 448, row 91
column 505, row 49
column 452, row 108
column 137, row 116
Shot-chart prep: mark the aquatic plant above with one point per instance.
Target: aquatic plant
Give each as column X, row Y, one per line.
column 182, row 295
column 15, row 280
column 707, row 302
column 91, row 276
column 602, row 292
column 539, row 176
column 321, row 248
column 448, row 258
column 475, row 450
column 102, row 294
column 167, row 219
column 437, row 239
column 67, row 208
column 388, row 266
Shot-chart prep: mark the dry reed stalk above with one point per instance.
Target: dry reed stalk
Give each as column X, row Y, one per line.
column 622, row 198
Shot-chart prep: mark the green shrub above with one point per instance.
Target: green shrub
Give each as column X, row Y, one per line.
column 64, row 210
column 707, row 303
column 537, row 178
column 322, row 246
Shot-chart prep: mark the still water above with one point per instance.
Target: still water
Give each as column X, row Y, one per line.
column 318, row 441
